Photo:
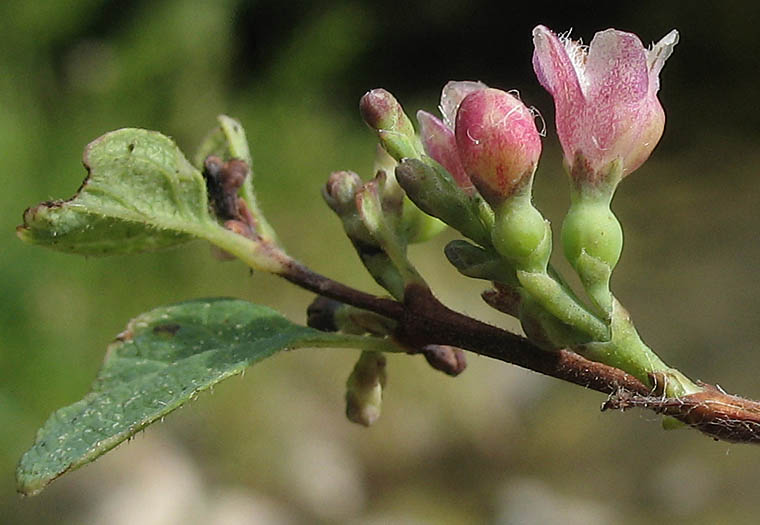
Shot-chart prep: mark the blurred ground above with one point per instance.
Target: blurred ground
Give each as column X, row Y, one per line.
column 496, row 445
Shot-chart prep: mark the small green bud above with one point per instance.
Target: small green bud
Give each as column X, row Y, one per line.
column 378, row 208
column 521, row 234
column 340, row 193
column 382, row 218
column 364, row 389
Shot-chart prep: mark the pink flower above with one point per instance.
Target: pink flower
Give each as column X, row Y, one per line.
column 605, row 97
column 438, row 136
column 497, row 142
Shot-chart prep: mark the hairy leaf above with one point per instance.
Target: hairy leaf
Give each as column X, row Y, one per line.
column 161, row 361
column 140, row 194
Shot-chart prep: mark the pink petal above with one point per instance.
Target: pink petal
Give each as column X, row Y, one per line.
column 452, row 95
column 557, row 74
column 554, row 67
column 616, row 69
column 440, row 144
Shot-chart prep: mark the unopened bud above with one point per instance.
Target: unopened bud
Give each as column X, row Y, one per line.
column 364, row 389
column 381, row 110
column 383, row 113
column 447, row 359
column 340, row 191
column 497, row 142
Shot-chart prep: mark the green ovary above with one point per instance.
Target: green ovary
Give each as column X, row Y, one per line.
column 592, row 228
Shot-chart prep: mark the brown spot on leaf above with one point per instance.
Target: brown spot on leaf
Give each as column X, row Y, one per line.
column 169, row 329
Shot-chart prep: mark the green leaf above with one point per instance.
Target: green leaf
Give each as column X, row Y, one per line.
column 162, row 360
column 141, row 194
column 226, row 141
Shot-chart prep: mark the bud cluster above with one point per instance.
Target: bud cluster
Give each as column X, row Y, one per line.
column 473, row 169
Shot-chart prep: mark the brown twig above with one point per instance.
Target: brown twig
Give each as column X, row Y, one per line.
column 423, row 320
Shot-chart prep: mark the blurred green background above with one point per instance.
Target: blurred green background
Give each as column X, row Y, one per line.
column 495, row 445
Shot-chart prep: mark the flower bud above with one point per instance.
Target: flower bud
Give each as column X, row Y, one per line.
column 364, row 389
column 340, row 192
column 438, row 135
column 383, row 113
column 497, row 142
column 381, row 110
column 448, row 359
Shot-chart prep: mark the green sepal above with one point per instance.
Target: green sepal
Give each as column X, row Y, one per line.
column 479, row 263
column 382, row 221
column 595, row 275
column 436, row 193
column 544, row 329
column 398, row 145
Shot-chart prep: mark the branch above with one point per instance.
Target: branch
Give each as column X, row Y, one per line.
column 423, row 320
